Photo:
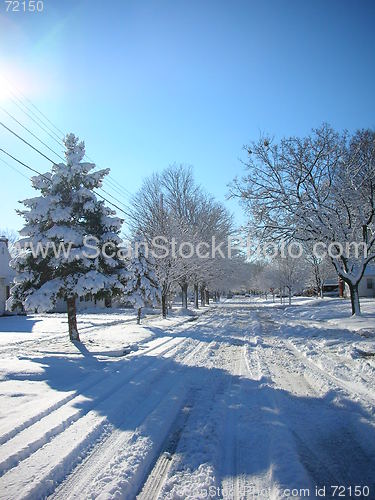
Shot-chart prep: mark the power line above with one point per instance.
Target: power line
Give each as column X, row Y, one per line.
column 49, row 159
column 49, row 180
column 113, row 183
column 31, row 133
column 122, row 188
column 115, row 189
column 117, row 184
column 44, row 116
column 118, row 201
column 14, row 168
column 59, row 142
column 113, row 204
column 45, row 156
column 33, row 105
column 36, row 149
column 30, row 110
column 26, row 142
column 119, row 189
column 126, row 191
column 24, row 164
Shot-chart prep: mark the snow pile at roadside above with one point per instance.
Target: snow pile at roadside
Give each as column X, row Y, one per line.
column 324, row 332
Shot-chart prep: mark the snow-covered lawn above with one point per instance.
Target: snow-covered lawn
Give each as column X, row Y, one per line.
column 247, row 401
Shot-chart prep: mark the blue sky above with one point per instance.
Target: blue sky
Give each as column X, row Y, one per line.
column 146, row 84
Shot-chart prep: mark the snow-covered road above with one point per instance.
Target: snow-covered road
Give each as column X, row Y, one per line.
column 233, row 405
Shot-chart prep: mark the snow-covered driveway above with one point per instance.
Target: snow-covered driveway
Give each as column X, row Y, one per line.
column 232, row 405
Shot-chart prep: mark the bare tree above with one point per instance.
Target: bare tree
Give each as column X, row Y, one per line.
column 320, row 188
column 291, row 273
column 171, row 207
column 319, row 269
column 12, row 236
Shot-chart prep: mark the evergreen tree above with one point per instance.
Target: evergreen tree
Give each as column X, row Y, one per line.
column 71, row 240
column 142, row 287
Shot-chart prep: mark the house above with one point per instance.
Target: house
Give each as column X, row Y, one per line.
column 331, row 287
column 366, row 287
column 3, row 292
column 83, row 303
column 6, row 273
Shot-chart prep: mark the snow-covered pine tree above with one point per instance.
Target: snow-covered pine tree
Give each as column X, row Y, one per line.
column 71, row 240
column 142, row 287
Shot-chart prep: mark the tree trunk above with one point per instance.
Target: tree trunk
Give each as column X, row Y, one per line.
column 139, row 316
column 203, row 299
column 72, row 319
column 290, row 296
column 164, row 311
column 341, row 288
column 354, row 299
column 184, row 295
column 207, row 297
column 196, row 296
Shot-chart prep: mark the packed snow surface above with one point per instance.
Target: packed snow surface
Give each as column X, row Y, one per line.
column 250, row 400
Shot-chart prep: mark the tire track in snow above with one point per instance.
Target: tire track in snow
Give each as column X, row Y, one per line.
column 82, row 434
column 61, row 415
column 262, row 434
column 155, row 479
column 100, row 427
column 208, row 393
column 322, row 449
column 314, row 372
column 127, row 450
column 360, row 391
column 88, row 383
column 92, row 380
column 326, row 459
column 233, row 484
column 208, row 413
column 198, row 398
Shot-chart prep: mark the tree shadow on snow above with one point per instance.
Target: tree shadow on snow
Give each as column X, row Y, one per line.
column 237, row 425
column 22, row 324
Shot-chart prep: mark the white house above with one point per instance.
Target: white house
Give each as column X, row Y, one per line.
column 82, row 304
column 366, row 287
column 6, row 273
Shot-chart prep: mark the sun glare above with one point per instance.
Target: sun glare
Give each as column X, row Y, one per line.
column 14, row 80
column 4, row 89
